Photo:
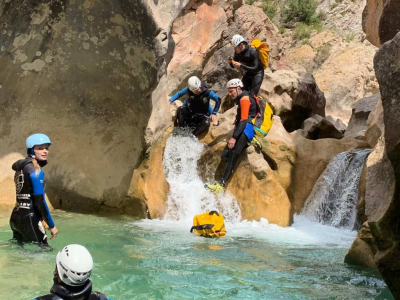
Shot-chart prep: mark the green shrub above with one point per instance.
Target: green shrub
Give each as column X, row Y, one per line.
column 282, row 30
column 270, row 8
column 350, row 37
column 321, row 15
column 305, row 41
column 300, row 11
column 250, row 2
column 302, row 31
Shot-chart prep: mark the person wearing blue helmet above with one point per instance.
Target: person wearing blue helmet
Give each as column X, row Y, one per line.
column 31, row 214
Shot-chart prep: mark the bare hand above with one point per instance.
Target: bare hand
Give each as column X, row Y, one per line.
column 236, row 64
column 213, row 118
column 53, row 232
column 231, row 143
column 229, row 60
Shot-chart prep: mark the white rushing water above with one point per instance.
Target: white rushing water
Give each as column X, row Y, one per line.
column 188, row 197
column 334, row 196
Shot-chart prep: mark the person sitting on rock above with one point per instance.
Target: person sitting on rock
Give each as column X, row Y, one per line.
column 196, row 110
column 31, row 214
column 247, row 59
column 74, row 265
column 243, row 134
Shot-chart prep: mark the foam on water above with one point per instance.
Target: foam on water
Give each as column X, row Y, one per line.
column 188, row 196
column 334, row 196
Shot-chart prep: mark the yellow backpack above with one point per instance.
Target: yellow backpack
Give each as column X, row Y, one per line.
column 262, row 123
column 209, row 224
column 263, row 51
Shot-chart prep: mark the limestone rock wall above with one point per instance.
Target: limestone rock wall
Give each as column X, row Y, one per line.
column 80, row 71
column 383, row 201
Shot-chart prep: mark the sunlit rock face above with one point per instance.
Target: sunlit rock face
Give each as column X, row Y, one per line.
column 380, row 20
column 81, row 72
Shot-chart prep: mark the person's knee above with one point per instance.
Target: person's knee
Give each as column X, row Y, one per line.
column 206, row 122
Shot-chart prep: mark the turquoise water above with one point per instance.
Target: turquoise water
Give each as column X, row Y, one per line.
column 154, row 259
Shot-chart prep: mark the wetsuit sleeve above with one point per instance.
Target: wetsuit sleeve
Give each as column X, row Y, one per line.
column 38, row 197
column 244, row 108
column 179, row 94
column 255, row 65
column 217, row 100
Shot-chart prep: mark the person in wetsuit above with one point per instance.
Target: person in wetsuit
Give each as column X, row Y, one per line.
column 74, row 265
column 243, row 134
column 31, row 208
column 247, row 59
column 196, row 111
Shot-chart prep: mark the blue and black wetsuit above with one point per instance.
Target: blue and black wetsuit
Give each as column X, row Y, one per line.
column 196, row 109
column 243, row 132
column 31, row 207
column 61, row 291
column 251, row 63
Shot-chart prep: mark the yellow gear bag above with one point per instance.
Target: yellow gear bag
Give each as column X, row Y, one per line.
column 209, row 224
column 263, row 51
column 262, row 123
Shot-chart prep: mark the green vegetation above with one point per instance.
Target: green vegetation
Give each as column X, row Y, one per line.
column 350, row 37
column 300, row 11
column 305, row 41
column 321, row 15
column 270, row 8
column 303, row 31
column 250, row 2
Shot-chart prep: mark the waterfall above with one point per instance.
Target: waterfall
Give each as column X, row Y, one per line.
column 334, row 196
column 187, row 196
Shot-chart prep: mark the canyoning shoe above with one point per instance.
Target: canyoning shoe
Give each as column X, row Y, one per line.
column 215, row 188
column 254, row 142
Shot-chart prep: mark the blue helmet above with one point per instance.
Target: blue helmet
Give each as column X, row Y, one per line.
column 34, row 140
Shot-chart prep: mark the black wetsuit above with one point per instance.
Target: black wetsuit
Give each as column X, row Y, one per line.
column 61, row 291
column 242, row 133
column 195, row 110
column 251, row 63
column 31, row 207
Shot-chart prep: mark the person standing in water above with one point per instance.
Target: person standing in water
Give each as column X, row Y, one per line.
column 74, row 265
column 31, row 213
column 243, row 134
column 196, row 111
column 247, row 59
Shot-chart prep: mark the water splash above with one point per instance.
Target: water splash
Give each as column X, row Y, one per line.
column 334, row 196
column 187, row 196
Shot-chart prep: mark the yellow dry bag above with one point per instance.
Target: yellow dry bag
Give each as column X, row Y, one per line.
column 210, row 224
column 263, row 51
column 262, row 123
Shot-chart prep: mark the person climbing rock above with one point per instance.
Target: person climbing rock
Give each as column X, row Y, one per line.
column 196, row 110
column 31, row 214
column 243, row 134
column 74, row 265
column 247, row 59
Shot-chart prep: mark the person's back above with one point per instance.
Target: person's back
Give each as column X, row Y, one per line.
column 74, row 266
column 61, row 291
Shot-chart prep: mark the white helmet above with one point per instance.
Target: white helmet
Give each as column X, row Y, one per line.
column 233, row 83
column 194, row 83
column 74, row 264
column 236, row 40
